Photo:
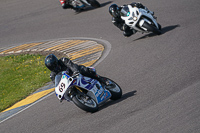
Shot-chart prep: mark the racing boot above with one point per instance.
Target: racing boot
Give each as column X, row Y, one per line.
column 127, row 31
column 105, row 82
column 102, row 80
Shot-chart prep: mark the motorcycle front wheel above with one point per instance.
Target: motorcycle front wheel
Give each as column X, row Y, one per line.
column 151, row 28
column 85, row 103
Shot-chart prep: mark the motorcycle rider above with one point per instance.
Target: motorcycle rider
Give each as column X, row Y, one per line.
column 116, row 11
column 65, row 64
column 66, row 4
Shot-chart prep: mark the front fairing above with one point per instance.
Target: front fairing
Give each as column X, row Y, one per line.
column 62, row 83
column 135, row 16
column 129, row 17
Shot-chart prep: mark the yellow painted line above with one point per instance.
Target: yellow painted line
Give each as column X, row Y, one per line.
column 85, row 52
column 90, row 63
column 60, row 45
column 30, row 99
column 66, row 45
column 69, row 45
column 22, row 47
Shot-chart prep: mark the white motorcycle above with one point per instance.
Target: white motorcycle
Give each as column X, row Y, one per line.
column 85, row 92
column 140, row 20
column 81, row 4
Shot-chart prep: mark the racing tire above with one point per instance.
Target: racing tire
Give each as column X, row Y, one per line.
column 94, row 3
column 88, row 105
column 159, row 26
column 151, row 28
column 114, row 89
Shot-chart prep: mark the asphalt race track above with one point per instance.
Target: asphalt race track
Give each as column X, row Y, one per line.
column 164, row 70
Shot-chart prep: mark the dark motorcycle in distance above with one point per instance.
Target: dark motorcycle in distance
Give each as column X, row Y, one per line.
column 82, row 4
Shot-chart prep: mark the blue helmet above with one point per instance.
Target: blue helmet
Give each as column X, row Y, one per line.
column 51, row 62
column 114, row 10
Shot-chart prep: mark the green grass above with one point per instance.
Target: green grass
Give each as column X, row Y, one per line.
column 20, row 76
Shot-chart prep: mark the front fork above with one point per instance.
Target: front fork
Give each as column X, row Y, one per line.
column 76, row 90
column 146, row 20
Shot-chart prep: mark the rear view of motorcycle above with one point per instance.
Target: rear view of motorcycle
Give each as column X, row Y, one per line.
column 140, row 20
column 86, row 93
column 81, row 4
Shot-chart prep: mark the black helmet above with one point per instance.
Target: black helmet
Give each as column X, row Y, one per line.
column 51, row 62
column 114, row 11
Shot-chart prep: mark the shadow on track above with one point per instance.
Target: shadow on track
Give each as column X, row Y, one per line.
column 93, row 8
column 111, row 102
column 164, row 30
column 169, row 28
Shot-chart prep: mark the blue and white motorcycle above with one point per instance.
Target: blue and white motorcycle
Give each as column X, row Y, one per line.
column 85, row 92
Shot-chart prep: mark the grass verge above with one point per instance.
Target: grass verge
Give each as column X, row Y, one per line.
column 21, row 75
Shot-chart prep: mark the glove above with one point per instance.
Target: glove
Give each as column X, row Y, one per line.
column 76, row 73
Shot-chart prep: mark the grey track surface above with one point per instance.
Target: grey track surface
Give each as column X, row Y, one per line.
column 164, row 70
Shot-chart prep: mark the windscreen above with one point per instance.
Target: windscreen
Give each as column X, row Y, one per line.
column 125, row 11
column 58, row 78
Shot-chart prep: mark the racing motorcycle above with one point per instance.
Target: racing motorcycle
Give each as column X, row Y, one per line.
column 81, row 4
column 140, row 20
column 85, row 92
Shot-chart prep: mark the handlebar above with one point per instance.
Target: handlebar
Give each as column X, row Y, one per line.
column 75, row 74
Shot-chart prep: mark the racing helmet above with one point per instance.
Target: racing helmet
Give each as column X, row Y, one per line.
column 114, row 10
column 51, row 62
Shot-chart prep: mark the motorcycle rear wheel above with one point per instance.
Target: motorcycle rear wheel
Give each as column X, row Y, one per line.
column 85, row 103
column 151, row 28
column 94, row 3
column 159, row 26
column 114, row 89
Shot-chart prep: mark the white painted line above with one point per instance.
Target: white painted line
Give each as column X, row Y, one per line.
column 27, row 107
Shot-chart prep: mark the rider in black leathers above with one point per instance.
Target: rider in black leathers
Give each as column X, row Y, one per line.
column 66, row 5
column 115, row 12
column 65, row 64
